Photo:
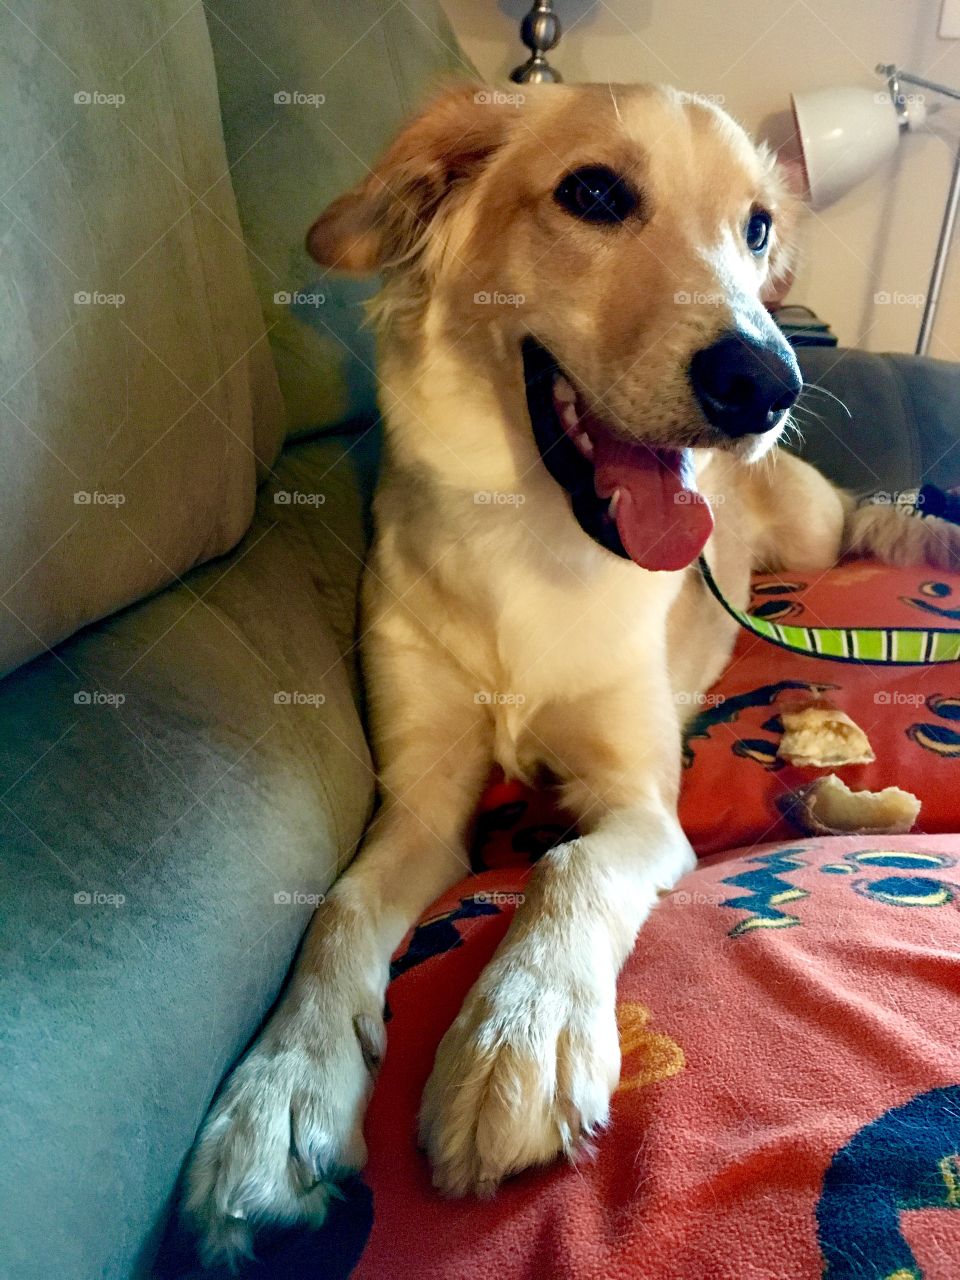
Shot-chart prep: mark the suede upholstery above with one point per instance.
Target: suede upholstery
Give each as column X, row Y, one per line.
column 143, row 842
column 887, row 422
column 311, row 93
column 137, row 394
column 180, row 781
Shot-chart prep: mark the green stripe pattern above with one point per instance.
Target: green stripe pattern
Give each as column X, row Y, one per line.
column 913, row 646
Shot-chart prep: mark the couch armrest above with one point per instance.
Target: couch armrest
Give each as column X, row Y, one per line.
column 179, row 783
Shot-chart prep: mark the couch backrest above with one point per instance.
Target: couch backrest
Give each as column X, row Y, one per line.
column 311, row 93
column 880, row 423
column 137, row 392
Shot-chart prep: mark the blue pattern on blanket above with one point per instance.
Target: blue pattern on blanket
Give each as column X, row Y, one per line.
column 908, row 1158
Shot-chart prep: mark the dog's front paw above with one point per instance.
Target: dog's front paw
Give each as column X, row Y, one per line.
column 287, row 1125
column 524, row 1073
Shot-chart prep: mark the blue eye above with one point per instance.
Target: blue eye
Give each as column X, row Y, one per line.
column 757, row 231
column 597, row 194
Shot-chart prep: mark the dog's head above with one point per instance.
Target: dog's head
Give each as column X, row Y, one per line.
column 618, row 241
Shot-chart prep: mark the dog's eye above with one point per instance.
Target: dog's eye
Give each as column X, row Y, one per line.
column 596, row 194
column 757, row 231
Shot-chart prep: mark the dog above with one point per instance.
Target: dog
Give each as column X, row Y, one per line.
column 582, row 392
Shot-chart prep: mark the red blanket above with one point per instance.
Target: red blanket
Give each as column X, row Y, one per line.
column 789, row 1105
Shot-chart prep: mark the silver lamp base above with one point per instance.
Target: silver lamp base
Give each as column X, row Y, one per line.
column 539, row 31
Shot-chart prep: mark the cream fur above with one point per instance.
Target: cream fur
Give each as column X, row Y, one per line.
column 593, row 659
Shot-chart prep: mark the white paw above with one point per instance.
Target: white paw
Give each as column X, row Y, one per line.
column 287, row 1125
column 524, row 1073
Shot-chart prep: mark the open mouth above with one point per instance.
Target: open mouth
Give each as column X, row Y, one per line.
column 637, row 500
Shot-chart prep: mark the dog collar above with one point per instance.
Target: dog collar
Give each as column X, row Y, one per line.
column 879, row 646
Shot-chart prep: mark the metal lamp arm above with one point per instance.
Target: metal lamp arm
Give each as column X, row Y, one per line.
column 895, row 78
column 906, row 77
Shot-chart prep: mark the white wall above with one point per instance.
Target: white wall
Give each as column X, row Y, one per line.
column 880, row 237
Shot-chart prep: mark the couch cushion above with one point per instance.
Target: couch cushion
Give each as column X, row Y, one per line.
column 178, row 784
column 311, row 93
column 137, row 392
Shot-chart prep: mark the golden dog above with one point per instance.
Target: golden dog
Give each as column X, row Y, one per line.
column 579, row 382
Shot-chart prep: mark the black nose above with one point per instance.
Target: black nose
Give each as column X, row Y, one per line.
column 745, row 385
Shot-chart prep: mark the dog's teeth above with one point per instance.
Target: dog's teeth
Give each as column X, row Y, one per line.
column 614, row 503
column 563, row 391
column 569, row 418
column 584, row 444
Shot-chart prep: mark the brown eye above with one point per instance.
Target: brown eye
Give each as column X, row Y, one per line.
column 596, row 194
column 757, row 231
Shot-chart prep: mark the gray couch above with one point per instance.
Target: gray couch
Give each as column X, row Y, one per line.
column 182, row 764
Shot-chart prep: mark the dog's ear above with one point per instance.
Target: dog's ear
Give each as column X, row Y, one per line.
column 386, row 217
column 784, row 196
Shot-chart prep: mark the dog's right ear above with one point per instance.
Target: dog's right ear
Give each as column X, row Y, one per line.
column 387, row 217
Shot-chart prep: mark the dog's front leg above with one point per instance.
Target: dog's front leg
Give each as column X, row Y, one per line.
column 289, row 1120
column 528, row 1068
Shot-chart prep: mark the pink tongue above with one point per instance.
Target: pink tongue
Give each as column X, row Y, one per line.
column 662, row 519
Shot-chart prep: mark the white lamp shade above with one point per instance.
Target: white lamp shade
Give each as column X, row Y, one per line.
column 845, row 134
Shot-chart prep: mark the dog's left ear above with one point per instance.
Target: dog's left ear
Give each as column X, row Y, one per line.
column 386, row 218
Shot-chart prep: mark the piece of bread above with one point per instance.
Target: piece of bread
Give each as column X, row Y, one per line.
column 820, row 735
column 828, row 807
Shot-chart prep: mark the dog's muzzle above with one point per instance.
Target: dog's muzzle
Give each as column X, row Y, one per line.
column 745, row 385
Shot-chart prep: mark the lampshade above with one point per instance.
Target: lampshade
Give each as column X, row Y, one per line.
column 845, row 134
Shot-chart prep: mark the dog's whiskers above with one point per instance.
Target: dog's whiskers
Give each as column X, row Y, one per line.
column 793, row 426
column 801, row 408
column 815, row 386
